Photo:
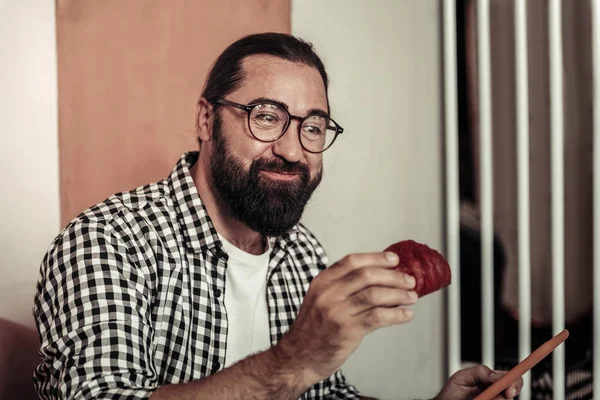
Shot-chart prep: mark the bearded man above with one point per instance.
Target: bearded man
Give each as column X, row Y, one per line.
column 206, row 285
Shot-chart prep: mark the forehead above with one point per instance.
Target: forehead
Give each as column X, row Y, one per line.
column 299, row 86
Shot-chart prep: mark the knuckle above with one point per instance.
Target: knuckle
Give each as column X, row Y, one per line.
column 374, row 318
column 351, row 259
column 320, row 302
column 482, row 370
column 367, row 297
column 405, row 314
column 371, row 295
column 368, row 275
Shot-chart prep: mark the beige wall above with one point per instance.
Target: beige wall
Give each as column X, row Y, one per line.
column 130, row 73
column 383, row 180
column 29, row 204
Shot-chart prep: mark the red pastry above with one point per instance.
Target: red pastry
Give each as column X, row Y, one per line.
column 429, row 268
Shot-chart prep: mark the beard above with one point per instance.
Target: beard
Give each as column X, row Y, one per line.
column 268, row 206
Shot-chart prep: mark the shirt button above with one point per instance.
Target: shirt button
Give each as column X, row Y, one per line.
column 217, row 293
column 215, row 367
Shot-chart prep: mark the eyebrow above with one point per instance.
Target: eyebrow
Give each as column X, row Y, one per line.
column 311, row 112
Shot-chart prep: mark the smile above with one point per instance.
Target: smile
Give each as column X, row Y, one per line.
column 280, row 175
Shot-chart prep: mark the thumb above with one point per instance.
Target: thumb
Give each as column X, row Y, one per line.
column 493, row 377
column 474, row 376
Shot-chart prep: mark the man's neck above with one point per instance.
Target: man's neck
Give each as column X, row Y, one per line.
column 229, row 227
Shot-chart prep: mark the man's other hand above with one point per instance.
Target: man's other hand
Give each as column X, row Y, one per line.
column 468, row 383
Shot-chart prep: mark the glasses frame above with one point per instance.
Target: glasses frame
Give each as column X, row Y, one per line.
column 249, row 107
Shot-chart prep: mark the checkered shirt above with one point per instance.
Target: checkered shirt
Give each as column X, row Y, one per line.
column 131, row 295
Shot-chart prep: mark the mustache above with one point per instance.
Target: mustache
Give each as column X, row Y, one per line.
column 281, row 166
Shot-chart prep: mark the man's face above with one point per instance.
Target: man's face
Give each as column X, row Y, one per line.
column 267, row 185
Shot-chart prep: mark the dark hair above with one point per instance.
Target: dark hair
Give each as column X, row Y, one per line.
column 226, row 73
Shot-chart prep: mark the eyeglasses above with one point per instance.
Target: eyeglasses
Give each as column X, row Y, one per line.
column 269, row 121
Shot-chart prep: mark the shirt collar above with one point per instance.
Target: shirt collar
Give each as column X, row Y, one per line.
column 198, row 229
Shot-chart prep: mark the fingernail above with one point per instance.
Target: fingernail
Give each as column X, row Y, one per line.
column 413, row 295
column 512, row 392
column 408, row 312
column 410, row 280
column 391, row 257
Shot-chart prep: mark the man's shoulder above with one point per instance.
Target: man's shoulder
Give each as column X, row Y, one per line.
column 114, row 232
column 139, row 201
column 123, row 211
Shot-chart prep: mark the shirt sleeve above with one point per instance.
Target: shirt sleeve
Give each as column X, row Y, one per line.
column 93, row 318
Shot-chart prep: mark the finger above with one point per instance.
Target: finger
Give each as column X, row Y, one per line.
column 380, row 317
column 496, row 375
column 479, row 375
column 514, row 389
column 511, row 391
column 361, row 260
column 502, row 396
column 377, row 296
column 492, row 377
column 362, row 278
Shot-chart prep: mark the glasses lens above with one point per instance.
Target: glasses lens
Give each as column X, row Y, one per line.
column 267, row 121
column 318, row 133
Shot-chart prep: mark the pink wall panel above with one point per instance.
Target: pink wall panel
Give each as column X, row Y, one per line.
column 129, row 75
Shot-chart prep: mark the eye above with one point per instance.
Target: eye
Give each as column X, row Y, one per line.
column 267, row 118
column 312, row 130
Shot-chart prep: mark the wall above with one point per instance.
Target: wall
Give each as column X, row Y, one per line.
column 383, row 179
column 29, row 204
column 129, row 77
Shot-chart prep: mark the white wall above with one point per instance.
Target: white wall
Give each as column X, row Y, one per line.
column 29, row 204
column 383, row 180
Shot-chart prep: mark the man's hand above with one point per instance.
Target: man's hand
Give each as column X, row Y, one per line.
column 468, row 383
column 355, row 296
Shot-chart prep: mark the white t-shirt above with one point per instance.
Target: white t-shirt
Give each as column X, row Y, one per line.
column 246, row 303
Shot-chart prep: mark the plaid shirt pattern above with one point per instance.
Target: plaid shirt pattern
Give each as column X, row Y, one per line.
column 131, row 295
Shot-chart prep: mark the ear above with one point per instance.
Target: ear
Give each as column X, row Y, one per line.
column 204, row 120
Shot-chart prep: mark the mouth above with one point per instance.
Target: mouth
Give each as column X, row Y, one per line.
column 280, row 175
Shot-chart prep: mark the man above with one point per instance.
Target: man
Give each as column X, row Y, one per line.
column 205, row 285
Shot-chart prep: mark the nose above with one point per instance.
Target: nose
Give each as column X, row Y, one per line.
column 288, row 146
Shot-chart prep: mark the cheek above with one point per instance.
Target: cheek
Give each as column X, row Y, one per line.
column 315, row 163
column 257, row 149
column 236, row 131
column 245, row 148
